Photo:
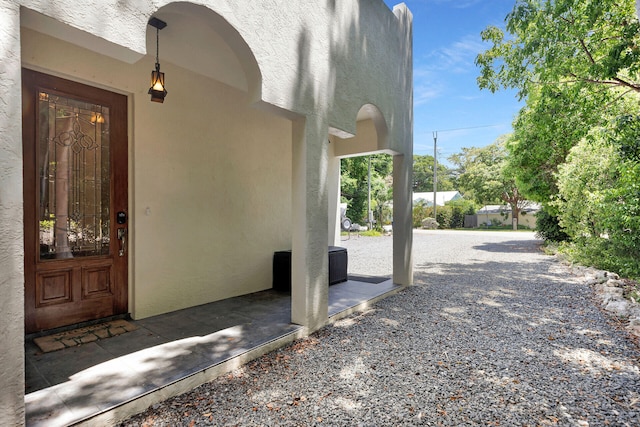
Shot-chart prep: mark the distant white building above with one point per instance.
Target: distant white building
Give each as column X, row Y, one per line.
column 441, row 197
column 501, row 214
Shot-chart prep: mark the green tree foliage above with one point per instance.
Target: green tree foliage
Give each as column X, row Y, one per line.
column 622, row 220
column 480, row 177
column 381, row 197
column 576, row 144
column 599, row 204
column 423, row 175
column 486, row 178
column 627, row 136
column 354, row 186
column 563, row 41
column 621, row 209
column 573, row 61
column 548, row 227
column 555, row 119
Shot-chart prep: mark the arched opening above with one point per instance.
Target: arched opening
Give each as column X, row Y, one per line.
column 372, row 134
column 366, row 193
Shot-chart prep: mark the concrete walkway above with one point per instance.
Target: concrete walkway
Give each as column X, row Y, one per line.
column 97, row 382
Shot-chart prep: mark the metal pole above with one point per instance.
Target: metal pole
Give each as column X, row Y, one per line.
column 435, row 172
column 369, row 219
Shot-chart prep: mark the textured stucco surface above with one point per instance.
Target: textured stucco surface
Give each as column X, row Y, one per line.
column 216, row 184
column 11, row 230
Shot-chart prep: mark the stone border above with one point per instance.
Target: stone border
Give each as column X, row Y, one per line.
column 609, row 292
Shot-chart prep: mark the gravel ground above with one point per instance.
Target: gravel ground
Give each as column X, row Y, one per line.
column 494, row 333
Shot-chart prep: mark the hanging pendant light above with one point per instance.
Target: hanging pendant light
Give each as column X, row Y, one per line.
column 157, row 89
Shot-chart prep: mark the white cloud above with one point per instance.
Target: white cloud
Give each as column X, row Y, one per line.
column 426, row 86
column 458, row 57
column 432, row 77
column 423, row 93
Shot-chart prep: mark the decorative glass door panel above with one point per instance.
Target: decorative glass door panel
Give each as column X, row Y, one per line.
column 74, row 196
column 75, row 186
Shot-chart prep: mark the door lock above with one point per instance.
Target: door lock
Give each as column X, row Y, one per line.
column 121, row 217
column 122, row 239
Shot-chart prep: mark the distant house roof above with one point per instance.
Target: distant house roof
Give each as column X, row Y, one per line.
column 495, row 209
column 441, row 197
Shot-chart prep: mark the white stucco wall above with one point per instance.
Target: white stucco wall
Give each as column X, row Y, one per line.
column 198, row 160
column 11, row 222
column 320, row 56
column 212, row 193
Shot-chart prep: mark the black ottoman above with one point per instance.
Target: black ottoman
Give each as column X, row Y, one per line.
column 338, row 261
column 337, row 264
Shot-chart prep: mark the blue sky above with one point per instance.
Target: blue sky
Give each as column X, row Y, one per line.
column 446, row 40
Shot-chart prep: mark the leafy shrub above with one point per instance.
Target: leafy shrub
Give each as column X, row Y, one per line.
column 443, row 216
column 460, row 208
column 599, row 207
column 548, row 227
column 420, row 212
column 622, row 220
column 584, row 182
column 449, row 216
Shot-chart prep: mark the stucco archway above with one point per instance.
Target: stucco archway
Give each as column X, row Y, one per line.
column 372, row 137
column 202, row 40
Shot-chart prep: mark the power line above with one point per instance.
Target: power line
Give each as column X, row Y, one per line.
column 468, row 128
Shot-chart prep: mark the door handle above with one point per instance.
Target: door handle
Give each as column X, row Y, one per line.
column 122, row 240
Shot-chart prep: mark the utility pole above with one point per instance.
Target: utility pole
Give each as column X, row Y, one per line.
column 435, row 159
column 369, row 215
column 435, row 172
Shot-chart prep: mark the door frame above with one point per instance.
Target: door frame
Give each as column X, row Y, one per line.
column 33, row 82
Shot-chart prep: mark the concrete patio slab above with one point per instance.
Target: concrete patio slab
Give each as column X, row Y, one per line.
column 103, row 381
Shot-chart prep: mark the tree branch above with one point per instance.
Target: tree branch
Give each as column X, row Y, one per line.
column 586, row 50
column 616, row 81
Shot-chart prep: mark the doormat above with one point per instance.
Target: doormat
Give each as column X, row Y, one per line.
column 368, row 279
column 83, row 335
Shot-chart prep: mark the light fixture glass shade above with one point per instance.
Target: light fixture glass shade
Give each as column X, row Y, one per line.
column 97, row 118
column 157, row 90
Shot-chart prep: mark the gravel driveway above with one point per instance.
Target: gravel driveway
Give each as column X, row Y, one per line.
column 494, row 333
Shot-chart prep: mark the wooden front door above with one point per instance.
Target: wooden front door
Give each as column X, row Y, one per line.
column 75, row 202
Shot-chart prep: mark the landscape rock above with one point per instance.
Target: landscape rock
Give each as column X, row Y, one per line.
column 615, row 283
column 618, row 306
column 609, row 290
